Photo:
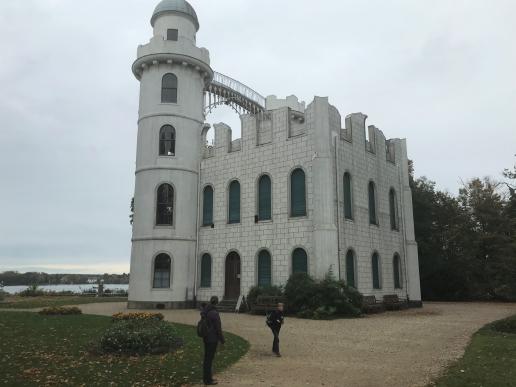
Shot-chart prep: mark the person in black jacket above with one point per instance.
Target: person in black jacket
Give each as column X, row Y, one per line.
column 275, row 321
column 211, row 340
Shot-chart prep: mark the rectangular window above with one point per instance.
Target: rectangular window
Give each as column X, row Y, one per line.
column 172, row 34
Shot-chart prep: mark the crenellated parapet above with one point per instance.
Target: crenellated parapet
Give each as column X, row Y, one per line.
column 173, row 53
column 355, row 132
column 284, row 122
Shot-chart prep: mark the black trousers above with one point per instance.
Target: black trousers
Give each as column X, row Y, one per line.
column 275, row 342
column 209, row 355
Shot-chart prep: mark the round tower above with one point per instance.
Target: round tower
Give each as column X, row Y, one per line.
column 173, row 74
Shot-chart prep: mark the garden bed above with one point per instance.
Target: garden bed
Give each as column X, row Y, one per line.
column 53, row 350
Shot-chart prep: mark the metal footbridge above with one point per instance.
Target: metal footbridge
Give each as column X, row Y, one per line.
column 224, row 90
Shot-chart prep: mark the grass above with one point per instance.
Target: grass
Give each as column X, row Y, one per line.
column 489, row 360
column 40, row 350
column 17, row 302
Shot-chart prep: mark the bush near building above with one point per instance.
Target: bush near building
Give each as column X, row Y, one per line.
column 139, row 336
column 324, row 299
column 60, row 310
column 314, row 299
column 257, row 291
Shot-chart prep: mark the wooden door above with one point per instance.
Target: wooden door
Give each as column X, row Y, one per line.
column 232, row 291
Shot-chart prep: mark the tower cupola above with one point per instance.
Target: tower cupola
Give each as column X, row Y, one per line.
column 179, row 7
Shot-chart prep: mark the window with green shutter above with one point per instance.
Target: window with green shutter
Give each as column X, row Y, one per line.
column 396, row 269
column 376, row 271
column 299, row 261
column 372, row 204
column 350, row 268
column 234, row 202
column 393, row 210
column 297, row 193
column 264, row 198
column 207, row 206
column 348, row 212
column 206, row 271
column 264, row 269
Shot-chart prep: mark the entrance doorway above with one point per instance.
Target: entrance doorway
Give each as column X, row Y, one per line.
column 232, row 289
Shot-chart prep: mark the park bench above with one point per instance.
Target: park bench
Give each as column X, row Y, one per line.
column 371, row 306
column 266, row 304
column 393, row 302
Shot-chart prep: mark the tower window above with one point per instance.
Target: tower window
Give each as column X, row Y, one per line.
column 167, row 141
column 172, row 34
column 169, row 88
column 162, row 268
column 165, row 205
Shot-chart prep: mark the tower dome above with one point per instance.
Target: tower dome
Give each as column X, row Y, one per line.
column 182, row 7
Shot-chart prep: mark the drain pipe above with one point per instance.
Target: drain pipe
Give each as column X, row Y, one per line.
column 204, row 129
column 336, row 137
column 404, row 235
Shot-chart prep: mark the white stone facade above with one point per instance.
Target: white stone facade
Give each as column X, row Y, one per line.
column 286, row 136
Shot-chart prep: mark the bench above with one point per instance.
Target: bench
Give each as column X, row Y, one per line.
column 371, row 306
column 266, row 304
column 393, row 302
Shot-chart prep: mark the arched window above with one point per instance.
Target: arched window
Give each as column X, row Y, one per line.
column 234, row 202
column 264, row 198
column 297, row 193
column 165, row 205
column 206, row 271
column 372, row 204
column 169, row 88
column 162, row 268
column 375, row 262
column 350, row 269
column 393, row 207
column 299, row 261
column 348, row 209
column 264, row 269
column 396, row 269
column 207, row 206
column 167, row 141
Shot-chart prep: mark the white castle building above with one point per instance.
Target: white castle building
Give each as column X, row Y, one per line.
column 299, row 192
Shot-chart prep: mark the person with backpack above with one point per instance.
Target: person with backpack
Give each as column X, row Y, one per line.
column 275, row 321
column 210, row 329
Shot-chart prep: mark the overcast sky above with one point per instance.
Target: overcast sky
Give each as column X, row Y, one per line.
column 439, row 73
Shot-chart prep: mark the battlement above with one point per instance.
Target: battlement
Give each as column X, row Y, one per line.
column 355, row 131
column 274, row 126
column 272, row 103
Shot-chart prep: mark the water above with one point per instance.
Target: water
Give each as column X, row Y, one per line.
column 60, row 288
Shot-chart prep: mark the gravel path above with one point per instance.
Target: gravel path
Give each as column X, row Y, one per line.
column 406, row 348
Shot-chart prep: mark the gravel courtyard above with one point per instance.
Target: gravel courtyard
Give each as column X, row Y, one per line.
column 406, row 348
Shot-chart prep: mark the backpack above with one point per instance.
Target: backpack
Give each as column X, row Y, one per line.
column 203, row 327
column 268, row 319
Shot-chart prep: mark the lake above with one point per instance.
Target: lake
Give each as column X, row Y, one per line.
column 60, row 288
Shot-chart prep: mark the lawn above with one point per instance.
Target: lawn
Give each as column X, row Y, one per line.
column 18, row 302
column 40, row 350
column 489, row 360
